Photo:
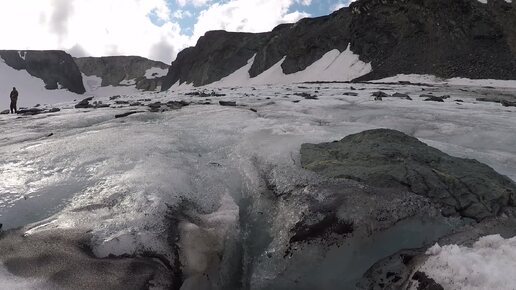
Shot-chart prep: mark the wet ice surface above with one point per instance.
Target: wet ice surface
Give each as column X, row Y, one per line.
column 121, row 178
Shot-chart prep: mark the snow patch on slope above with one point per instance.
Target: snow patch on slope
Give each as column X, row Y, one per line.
column 22, row 54
column 488, row 264
column 333, row 66
column 93, row 86
column 156, row 72
column 485, row 1
column 91, row 83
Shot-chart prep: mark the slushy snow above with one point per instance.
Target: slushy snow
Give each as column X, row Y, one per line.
column 489, row 264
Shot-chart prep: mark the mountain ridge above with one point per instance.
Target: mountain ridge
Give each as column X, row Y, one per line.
column 447, row 39
column 123, row 70
column 463, row 38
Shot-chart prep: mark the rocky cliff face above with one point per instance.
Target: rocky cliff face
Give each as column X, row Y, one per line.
column 56, row 68
column 123, row 70
column 462, row 38
column 217, row 54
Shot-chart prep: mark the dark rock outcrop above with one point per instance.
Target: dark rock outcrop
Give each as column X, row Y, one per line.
column 434, row 99
column 216, row 55
column 402, row 96
column 462, row 38
column 445, row 38
column 56, row 68
column 114, row 70
column 228, row 103
column 170, row 105
column 390, row 159
column 37, row 111
column 380, row 95
column 506, row 103
column 84, row 104
column 123, row 115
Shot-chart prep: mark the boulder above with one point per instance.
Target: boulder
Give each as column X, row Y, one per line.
column 5, row 112
column 391, row 159
column 31, row 111
column 115, row 70
column 381, row 95
column 401, row 96
column 434, row 99
column 228, row 103
column 306, row 96
column 84, row 104
column 127, row 114
column 36, row 111
column 506, row 103
column 176, row 105
column 490, row 100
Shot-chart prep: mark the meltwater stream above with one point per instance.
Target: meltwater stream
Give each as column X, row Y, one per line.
column 200, row 171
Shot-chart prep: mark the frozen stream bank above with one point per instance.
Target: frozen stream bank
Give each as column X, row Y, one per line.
column 203, row 186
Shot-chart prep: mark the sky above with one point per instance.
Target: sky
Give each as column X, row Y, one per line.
column 156, row 29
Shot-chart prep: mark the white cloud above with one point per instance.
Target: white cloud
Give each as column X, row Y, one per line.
column 92, row 27
column 196, row 3
column 181, row 14
column 304, row 2
column 341, row 4
column 123, row 27
column 246, row 15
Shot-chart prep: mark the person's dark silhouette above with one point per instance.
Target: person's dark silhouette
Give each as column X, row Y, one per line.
column 14, row 100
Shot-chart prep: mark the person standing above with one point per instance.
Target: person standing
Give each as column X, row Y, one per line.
column 14, row 100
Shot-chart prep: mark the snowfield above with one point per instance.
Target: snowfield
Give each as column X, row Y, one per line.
column 120, row 178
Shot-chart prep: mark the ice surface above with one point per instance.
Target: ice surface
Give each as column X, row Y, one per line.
column 488, row 264
column 122, row 179
column 430, row 79
column 11, row 282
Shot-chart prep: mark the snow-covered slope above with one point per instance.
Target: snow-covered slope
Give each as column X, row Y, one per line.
column 32, row 89
column 333, row 66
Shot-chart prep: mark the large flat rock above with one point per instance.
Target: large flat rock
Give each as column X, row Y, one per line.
column 391, row 159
